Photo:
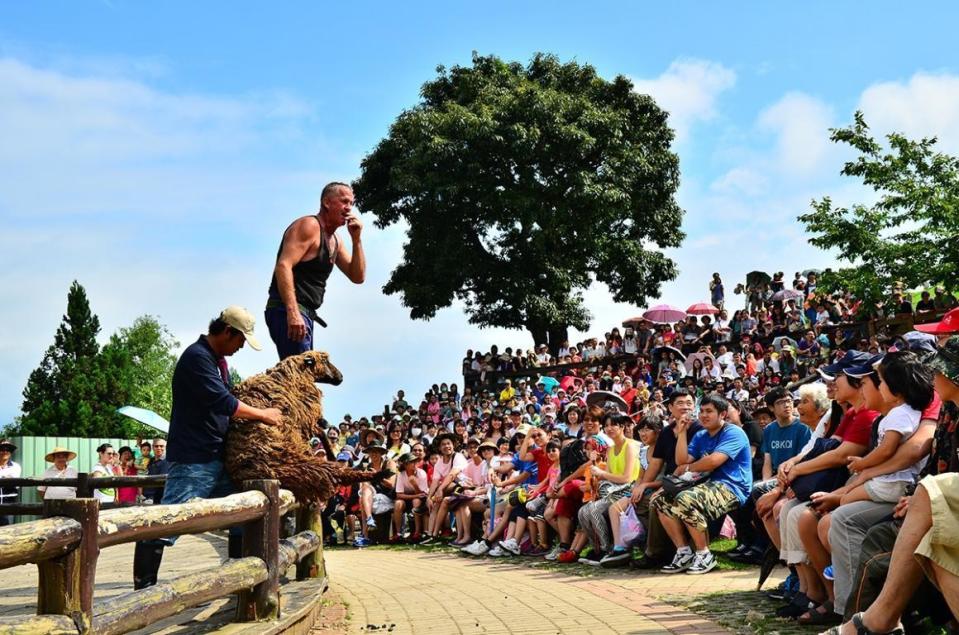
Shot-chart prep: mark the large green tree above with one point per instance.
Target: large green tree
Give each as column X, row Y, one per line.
column 146, row 351
column 67, row 394
column 520, row 186
column 908, row 234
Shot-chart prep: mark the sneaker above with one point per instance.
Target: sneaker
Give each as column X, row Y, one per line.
column 567, row 557
column 702, row 563
column 753, row 555
column 428, row 540
column 780, row 592
column 554, row 554
column 360, row 541
column 478, row 548
column 371, row 523
column 615, row 558
column 593, row 558
column 828, row 573
column 414, row 539
column 537, row 551
column 511, row 546
column 647, row 564
column 681, row 562
column 738, row 551
column 498, row 552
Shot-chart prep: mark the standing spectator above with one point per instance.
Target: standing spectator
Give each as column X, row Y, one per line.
column 722, row 450
column 900, row 305
column 925, row 304
column 8, row 469
column 59, row 457
column 158, row 465
column 104, row 469
column 716, row 292
column 143, row 461
column 127, row 467
column 944, row 301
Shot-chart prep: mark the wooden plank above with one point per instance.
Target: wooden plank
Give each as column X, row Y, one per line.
column 312, row 566
column 66, row 583
column 138, row 609
column 261, row 539
column 38, row 625
column 127, row 524
column 156, row 480
column 37, row 540
column 287, row 502
column 295, row 548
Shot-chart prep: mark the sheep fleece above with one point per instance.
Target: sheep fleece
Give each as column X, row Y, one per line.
column 256, row 450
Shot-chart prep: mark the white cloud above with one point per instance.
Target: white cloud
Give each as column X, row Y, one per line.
column 801, row 125
column 688, row 89
column 923, row 106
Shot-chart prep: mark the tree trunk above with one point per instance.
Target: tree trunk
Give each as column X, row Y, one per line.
column 558, row 333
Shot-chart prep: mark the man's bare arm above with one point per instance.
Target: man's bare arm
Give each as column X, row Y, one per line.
column 352, row 265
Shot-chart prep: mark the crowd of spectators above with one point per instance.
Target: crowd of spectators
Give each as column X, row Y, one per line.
column 818, row 452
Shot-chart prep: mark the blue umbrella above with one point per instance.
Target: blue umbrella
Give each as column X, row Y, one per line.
column 147, row 417
column 549, row 383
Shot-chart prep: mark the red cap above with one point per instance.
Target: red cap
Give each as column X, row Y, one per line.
column 949, row 324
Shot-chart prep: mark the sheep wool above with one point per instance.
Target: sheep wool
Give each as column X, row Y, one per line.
column 255, row 450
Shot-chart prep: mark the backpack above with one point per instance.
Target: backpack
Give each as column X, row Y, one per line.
column 571, row 457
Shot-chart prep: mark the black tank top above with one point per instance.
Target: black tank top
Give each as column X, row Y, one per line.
column 309, row 276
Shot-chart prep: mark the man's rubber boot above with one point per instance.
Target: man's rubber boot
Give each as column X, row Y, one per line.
column 235, row 547
column 146, row 564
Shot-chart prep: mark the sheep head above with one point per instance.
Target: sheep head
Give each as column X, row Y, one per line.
column 315, row 364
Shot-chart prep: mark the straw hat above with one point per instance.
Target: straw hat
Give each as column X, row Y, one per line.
column 57, row 450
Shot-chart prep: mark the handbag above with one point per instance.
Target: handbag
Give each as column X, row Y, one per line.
column 825, row 480
column 630, row 529
column 673, row 485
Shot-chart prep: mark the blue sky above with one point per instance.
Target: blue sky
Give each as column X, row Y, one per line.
column 157, row 155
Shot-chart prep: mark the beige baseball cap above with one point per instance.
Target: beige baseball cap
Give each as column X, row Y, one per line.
column 242, row 320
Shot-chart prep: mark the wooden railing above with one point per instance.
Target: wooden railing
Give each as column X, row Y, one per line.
column 84, row 484
column 66, row 544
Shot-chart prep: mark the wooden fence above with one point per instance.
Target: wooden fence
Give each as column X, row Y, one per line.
column 66, row 543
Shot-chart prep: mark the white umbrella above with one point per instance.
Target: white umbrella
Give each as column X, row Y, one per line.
column 147, row 417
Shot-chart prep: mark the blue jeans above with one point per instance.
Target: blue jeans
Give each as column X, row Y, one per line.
column 186, row 481
column 275, row 318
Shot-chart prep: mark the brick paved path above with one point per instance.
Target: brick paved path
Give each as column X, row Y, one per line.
column 418, row 591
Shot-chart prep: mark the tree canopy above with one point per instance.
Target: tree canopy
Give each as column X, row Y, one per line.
column 908, row 235
column 520, row 185
column 78, row 386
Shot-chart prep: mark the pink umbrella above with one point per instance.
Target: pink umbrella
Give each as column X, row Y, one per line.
column 702, row 308
column 664, row 314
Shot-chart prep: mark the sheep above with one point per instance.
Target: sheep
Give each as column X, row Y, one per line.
column 255, row 450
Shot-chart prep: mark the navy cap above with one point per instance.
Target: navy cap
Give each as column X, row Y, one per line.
column 864, row 369
column 849, row 360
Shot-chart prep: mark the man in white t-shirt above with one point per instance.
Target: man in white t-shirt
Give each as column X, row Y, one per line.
column 8, row 469
column 738, row 392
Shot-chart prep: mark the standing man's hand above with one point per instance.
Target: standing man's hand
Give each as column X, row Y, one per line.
column 272, row 416
column 295, row 326
column 354, row 225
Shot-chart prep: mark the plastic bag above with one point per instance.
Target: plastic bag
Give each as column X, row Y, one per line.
column 630, row 529
column 382, row 503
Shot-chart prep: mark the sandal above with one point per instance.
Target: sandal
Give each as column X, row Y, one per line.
column 861, row 628
column 822, row 615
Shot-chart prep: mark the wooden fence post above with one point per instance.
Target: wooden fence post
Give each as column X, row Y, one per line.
column 84, row 490
column 261, row 538
column 66, row 583
column 308, row 519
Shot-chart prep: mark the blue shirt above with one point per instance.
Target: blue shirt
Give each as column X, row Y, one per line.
column 202, row 407
column 736, row 472
column 526, row 466
column 782, row 444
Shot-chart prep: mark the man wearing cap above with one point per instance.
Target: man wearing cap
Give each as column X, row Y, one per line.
column 8, row 469
column 304, row 262
column 201, row 412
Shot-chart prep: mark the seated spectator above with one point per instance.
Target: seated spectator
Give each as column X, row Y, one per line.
column 722, row 450
column 411, row 492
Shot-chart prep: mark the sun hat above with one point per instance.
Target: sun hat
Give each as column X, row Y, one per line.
column 606, row 400
column 487, row 444
column 59, row 450
column 242, row 320
column 946, row 359
column 405, row 458
column 376, row 445
column 948, row 324
column 524, row 429
column 8, row 445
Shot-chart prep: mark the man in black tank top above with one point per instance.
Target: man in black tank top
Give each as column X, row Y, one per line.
column 304, row 261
